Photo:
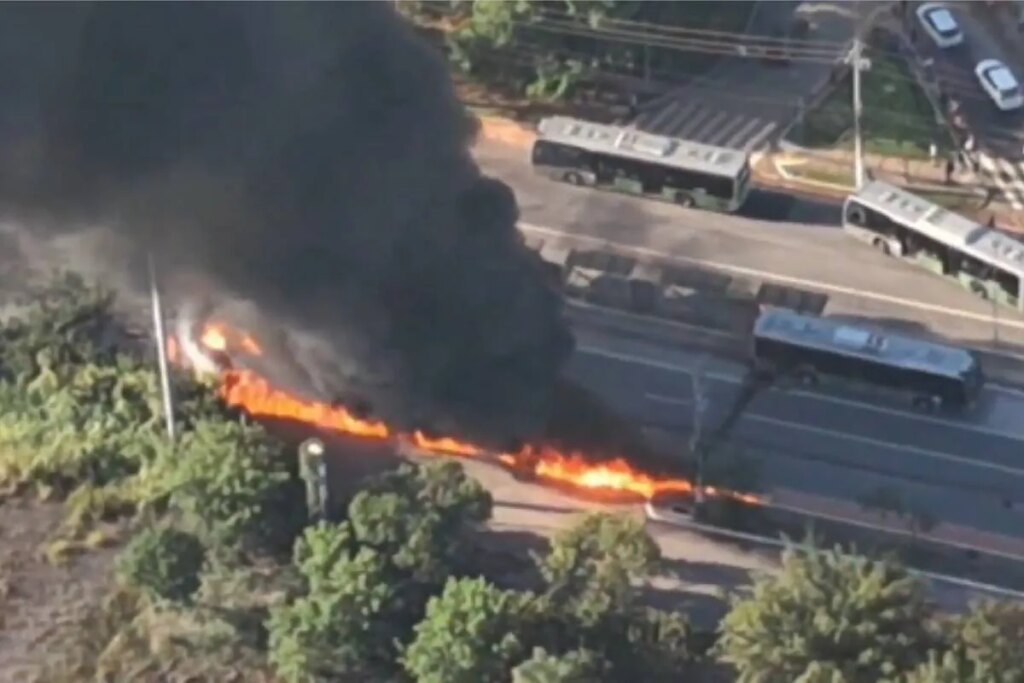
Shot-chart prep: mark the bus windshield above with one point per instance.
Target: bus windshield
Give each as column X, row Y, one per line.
column 986, row 262
column 616, row 158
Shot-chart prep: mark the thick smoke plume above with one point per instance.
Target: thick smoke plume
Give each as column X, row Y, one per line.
column 308, row 158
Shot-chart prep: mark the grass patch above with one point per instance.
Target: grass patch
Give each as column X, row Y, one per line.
column 898, row 119
column 831, row 174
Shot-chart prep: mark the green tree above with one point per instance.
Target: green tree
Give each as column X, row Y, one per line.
column 163, row 562
column 237, row 485
column 472, row 633
column 992, row 638
column 370, row 577
column 865, row 619
column 948, row 668
column 575, row 666
column 591, row 566
column 420, row 518
column 344, row 629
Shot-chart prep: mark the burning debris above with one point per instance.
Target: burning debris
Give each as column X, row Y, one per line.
column 245, row 389
column 309, row 158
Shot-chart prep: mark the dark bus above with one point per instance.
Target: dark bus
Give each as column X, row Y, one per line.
column 933, row 376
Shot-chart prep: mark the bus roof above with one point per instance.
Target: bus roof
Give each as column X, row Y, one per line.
column 634, row 144
column 863, row 342
column 942, row 225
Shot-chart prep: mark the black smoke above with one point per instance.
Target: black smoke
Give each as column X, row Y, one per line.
column 309, row 158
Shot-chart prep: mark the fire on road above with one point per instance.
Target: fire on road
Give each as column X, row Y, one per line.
column 247, row 390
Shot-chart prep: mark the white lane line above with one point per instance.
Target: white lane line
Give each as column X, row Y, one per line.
column 683, row 128
column 738, row 136
column 856, row 438
column 654, row 123
column 992, row 171
column 759, row 137
column 778, row 277
column 704, row 132
column 732, row 379
column 722, row 133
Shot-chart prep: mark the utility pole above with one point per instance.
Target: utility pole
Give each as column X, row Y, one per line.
column 857, row 63
column 161, row 349
column 700, row 407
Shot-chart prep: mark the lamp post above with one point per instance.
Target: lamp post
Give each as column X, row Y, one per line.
column 700, row 406
column 313, row 470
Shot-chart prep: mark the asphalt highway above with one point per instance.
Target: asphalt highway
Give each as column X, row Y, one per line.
column 776, row 238
column 966, row 470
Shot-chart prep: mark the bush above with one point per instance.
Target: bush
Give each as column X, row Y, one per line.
column 164, row 563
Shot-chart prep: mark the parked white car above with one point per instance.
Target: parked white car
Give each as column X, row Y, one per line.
column 940, row 24
column 999, row 82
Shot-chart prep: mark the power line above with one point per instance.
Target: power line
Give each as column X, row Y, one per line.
column 684, row 31
column 689, row 45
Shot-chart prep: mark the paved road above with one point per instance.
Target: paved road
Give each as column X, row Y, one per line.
column 999, row 134
column 965, row 470
column 697, row 567
column 745, row 102
column 762, row 243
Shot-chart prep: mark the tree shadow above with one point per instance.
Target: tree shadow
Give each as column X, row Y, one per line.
column 505, row 558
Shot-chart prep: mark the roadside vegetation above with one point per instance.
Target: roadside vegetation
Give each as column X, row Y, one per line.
column 898, row 119
column 553, row 51
column 219, row 575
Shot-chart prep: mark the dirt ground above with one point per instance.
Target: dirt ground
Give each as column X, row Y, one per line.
column 38, row 598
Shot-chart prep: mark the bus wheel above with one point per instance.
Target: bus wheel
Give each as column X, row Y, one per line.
column 684, row 200
column 807, row 378
column 925, row 404
column 882, row 246
column 573, row 178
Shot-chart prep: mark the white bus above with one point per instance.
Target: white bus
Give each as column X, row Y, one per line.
column 985, row 261
column 933, row 376
column 631, row 161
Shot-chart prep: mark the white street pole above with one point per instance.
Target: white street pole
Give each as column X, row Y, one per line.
column 858, row 152
column 161, row 349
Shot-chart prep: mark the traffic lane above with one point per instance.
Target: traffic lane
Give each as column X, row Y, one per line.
column 892, row 441
column 827, row 257
column 996, row 131
column 537, row 194
column 837, row 467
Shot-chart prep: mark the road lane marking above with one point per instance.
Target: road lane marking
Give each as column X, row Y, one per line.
column 760, row 136
column 778, row 277
column 732, row 379
column 736, row 138
column 856, row 438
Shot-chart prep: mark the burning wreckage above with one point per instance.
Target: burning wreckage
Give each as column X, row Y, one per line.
column 220, row 350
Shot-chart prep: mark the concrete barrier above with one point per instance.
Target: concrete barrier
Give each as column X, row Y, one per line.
column 506, row 131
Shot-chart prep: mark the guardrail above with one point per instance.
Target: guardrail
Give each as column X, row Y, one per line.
column 780, row 544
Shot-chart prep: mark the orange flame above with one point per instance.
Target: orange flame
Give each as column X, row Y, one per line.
column 246, row 390
column 172, row 350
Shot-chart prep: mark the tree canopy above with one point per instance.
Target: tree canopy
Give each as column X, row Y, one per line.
column 828, row 614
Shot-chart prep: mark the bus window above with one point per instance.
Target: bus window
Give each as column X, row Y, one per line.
column 718, row 186
column 552, row 154
column 1009, row 283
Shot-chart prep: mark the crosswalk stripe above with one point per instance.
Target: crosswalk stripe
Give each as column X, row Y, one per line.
column 701, row 134
column 686, row 128
column 723, row 133
column 738, row 136
column 992, row 169
column 757, row 139
column 654, row 124
column 671, row 123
